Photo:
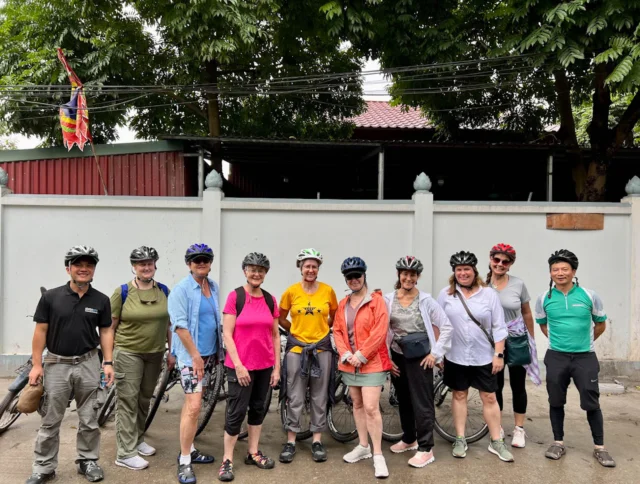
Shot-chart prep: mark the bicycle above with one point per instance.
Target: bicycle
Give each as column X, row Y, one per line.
column 475, row 428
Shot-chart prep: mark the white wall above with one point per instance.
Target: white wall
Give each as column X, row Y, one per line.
column 35, row 231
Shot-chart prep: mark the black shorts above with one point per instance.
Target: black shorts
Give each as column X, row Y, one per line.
column 461, row 377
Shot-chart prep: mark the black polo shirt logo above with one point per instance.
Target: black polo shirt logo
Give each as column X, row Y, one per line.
column 91, row 310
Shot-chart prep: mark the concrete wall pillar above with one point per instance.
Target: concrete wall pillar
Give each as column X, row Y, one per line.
column 211, row 224
column 634, row 267
column 423, row 229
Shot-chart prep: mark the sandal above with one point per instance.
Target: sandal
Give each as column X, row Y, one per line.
column 260, row 460
column 225, row 474
column 555, row 451
column 604, row 458
column 198, row 458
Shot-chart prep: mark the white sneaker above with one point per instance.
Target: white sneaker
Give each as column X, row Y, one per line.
column 135, row 463
column 380, row 467
column 358, row 453
column 145, row 449
column 518, row 439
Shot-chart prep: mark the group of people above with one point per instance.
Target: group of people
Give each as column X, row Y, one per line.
column 469, row 331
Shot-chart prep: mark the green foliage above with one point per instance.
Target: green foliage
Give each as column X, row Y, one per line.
column 221, row 51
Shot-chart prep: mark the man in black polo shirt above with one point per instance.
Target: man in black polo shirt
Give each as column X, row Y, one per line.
column 66, row 321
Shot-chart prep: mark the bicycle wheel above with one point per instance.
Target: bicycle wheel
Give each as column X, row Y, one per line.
column 340, row 420
column 8, row 411
column 108, row 406
column 390, row 410
column 210, row 390
column 244, row 432
column 305, row 418
column 475, row 428
column 158, row 394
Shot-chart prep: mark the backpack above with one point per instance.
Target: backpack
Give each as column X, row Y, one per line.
column 124, row 291
column 241, row 296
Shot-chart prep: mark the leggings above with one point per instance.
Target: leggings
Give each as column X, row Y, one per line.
column 517, row 379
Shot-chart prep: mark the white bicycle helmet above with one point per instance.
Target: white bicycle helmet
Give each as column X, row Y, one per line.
column 305, row 254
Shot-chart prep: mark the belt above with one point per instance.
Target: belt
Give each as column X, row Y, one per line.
column 69, row 360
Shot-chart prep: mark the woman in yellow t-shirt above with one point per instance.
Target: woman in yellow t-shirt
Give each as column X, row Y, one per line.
column 312, row 306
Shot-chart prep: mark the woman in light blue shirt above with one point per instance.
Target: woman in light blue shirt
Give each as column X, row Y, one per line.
column 477, row 349
column 195, row 319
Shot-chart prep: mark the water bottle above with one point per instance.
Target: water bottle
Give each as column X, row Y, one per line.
column 103, row 380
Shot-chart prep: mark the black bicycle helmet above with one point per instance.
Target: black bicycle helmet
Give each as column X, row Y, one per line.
column 463, row 258
column 353, row 264
column 78, row 251
column 197, row 250
column 256, row 259
column 564, row 255
column 143, row 253
column 409, row 263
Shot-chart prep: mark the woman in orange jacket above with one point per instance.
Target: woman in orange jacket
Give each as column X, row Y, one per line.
column 360, row 331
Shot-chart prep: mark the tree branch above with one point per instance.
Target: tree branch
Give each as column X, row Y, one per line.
column 598, row 129
column 189, row 105
column 567, row 131
column 627, row 122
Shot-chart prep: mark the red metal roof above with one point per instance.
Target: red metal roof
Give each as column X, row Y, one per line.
column 380, row 114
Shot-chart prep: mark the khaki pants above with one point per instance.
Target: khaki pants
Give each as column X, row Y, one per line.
column 60, row 379
column 136, row 378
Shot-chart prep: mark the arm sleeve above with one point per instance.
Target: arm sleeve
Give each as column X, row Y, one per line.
column 42, row 314
column 105, row 314
column 230, row 305
column 379, row 328
column 598, row 314
column 439, row 318
column 540, row 313
column 524, row 294
column 116, row 303
column 498, row 326
column 178, row 309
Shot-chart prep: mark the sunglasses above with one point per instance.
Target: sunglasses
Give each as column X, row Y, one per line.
column 201, row 260
column 352, row 276
column 504, row 262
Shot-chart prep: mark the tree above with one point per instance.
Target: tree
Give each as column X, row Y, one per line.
column 563, row 54
column 208, row 67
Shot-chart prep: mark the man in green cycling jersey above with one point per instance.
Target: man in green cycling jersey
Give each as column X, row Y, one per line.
column 572, row 317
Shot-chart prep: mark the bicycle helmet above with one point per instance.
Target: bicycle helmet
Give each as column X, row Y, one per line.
column 409, row 263
column 463, row 258
column 564, row 255
column 143, row 253
column 197, row 250
column 353, row 264
column 505, row 249
column 305, row 254
column 78, row 251
column 256, row 259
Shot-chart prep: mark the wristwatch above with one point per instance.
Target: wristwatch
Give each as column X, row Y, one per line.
column 499, row 355
column 107, row 363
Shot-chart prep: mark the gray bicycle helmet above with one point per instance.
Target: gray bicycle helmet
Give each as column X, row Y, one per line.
column 143, row 253
column 409, row 263
column 256, row 259
column 78, row 251
column 463, row 258
column 564, row 255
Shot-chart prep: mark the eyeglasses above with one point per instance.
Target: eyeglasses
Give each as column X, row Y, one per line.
column 504, row 262
column 256, row 270
column 201, row 260
column 352, row 276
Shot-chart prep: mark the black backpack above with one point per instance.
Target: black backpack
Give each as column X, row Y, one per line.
column 241, row 297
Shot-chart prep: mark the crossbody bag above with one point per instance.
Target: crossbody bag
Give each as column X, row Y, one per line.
column 464, row 304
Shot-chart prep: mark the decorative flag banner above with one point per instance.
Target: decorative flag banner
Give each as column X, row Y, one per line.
column 74, row 116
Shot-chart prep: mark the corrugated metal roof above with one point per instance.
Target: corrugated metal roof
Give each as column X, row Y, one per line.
column 380, row 114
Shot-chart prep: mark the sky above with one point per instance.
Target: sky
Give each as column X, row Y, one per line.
column 372, row 83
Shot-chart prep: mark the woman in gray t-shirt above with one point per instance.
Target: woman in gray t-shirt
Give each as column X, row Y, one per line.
column 517, row 314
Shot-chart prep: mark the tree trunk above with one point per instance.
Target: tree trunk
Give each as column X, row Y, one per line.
column 213, row 114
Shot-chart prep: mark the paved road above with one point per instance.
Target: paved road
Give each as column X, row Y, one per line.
column 622, row 432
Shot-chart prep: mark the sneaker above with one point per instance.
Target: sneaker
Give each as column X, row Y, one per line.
column 260, row 460
column 91, row 470
column 460, row 447
column 37, row 478
column 288, row 453
column 422, row 459
column 380, row 467
column 225, row 474
column 357, row 454
column 318, row 452
column 400, row 447
column 499, row 448
column 145, row 449
column 185, row 473
column 135, row 463
column 518, row 439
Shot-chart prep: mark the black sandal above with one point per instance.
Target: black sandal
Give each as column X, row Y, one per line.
column 199, row 458
column 555, row 451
